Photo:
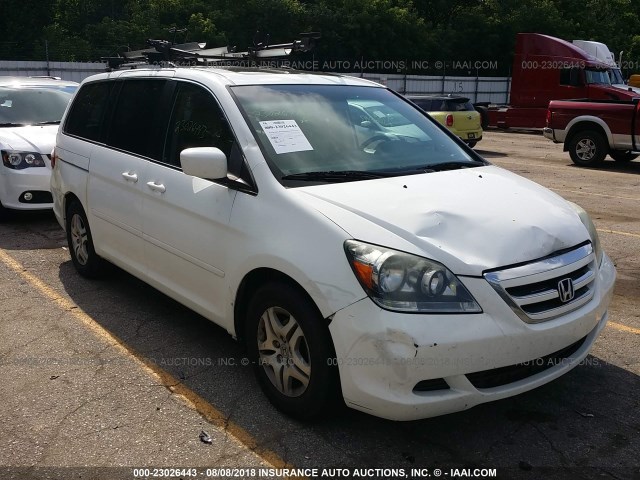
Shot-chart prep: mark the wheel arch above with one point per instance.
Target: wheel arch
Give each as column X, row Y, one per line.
column 582, row 124
column 69, row 198
column 250, row 284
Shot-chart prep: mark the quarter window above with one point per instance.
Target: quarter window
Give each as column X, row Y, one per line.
column 87, row 111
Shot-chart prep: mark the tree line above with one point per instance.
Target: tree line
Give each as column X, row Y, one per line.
column 412, row 34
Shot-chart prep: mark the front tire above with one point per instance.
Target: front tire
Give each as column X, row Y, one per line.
column 83, row 255
column 621, row 156
column 289, row 344
column 588, row 148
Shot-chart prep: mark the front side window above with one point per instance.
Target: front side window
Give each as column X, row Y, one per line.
column 197, row 121
column 33, row 105
column 368, row 131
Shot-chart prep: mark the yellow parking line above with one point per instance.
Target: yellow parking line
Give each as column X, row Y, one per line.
column 204, row 408
column 624, row 328
column 616, row 232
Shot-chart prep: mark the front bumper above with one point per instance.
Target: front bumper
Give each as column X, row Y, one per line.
column 382, row 356
column 14, row 183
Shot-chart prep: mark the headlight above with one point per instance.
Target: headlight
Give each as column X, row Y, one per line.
column 591, row 228
column 19, row 160
column 407, row 283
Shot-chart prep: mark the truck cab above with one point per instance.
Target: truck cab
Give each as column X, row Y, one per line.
column 602, row 53
column 547, row 68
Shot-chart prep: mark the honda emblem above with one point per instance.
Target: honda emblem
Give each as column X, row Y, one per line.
column 566, row 290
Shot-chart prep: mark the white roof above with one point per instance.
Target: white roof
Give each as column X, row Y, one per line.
column 34, row 81
column 240, row 76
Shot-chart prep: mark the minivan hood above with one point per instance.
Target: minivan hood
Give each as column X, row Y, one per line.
column 32, row 138
column 471, row 220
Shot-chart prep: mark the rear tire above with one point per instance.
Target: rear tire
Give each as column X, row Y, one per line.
column 621, row 156
column 290, row 347
column 588, row 148
column 472, row 143
column 84, row 257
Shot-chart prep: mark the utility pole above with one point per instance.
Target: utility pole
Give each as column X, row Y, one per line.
column 46, row 54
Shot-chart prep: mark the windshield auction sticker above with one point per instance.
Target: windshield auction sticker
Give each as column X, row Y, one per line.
column 285, row 136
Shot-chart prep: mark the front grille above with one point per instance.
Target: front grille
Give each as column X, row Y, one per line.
column 506, row 375
column 533, row 290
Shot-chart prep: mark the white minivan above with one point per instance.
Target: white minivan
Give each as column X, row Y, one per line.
column 394, row 269
column 30, row 112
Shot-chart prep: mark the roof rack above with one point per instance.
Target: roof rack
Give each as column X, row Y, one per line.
column 165, row 53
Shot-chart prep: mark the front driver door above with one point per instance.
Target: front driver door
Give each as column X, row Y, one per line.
column 186, row 219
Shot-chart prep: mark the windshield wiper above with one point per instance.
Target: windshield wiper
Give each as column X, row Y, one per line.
column 438, row 167
column 12, row 124
column 52, row 122
column 337, row 176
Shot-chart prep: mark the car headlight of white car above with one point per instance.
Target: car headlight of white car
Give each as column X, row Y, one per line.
column 404, row 282
column 591, row 228
column 19, row 160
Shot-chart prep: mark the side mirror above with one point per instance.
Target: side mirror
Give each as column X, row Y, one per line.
column 367, row 124
column 204, row 162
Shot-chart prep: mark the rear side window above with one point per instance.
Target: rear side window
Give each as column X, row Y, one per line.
column 134, row 119
column 87, row 111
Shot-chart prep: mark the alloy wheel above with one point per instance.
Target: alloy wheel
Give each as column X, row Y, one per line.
column 79, row 239
column 284, row 352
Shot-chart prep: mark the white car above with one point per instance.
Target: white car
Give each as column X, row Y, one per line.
column 30, row 111
column 404, row 274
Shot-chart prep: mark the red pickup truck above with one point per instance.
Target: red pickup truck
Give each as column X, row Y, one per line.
column 591, row 129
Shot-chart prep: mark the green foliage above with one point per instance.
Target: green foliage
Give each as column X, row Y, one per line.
column 428, row 30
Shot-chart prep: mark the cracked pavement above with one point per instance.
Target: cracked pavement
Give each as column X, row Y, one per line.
column 113, row 373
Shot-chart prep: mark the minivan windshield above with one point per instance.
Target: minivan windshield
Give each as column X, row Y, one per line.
column 330, row 133
column 33, row 105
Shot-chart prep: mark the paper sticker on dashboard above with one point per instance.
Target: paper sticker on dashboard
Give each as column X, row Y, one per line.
column 285, row 136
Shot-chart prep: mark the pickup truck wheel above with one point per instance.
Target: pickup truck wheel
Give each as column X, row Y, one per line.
column 290, row 348
column 622, row 156
column 588, row 148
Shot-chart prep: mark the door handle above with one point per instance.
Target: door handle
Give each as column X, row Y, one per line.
column 156, row 187
column 130, row 177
